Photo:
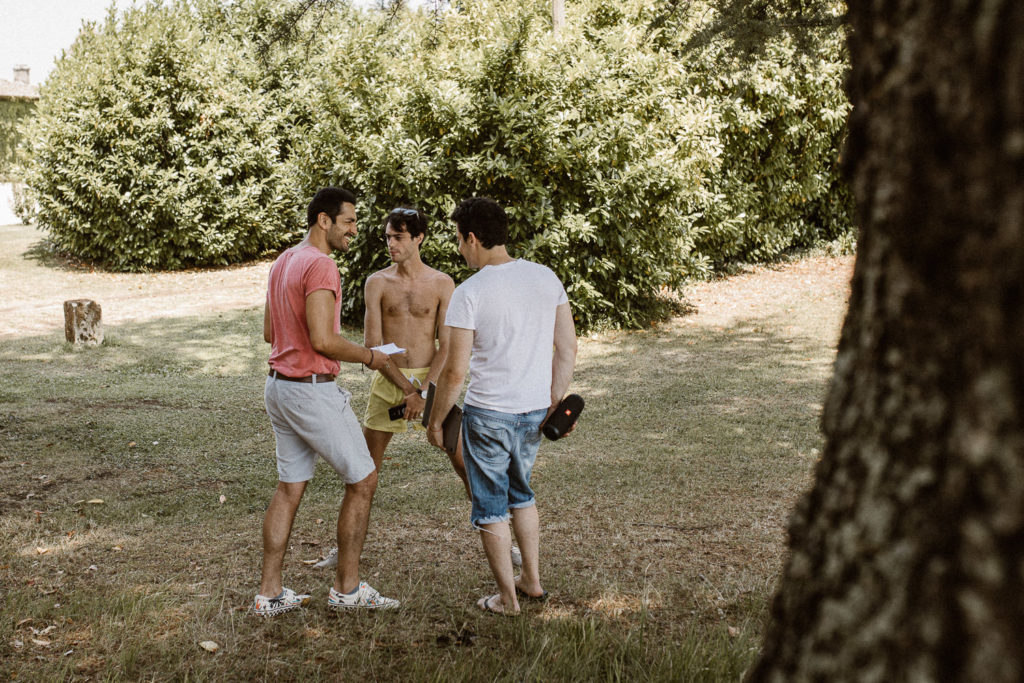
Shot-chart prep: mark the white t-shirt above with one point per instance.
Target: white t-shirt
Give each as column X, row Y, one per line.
column 511, row 309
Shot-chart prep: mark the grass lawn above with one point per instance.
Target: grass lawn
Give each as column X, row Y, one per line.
column 134, row 476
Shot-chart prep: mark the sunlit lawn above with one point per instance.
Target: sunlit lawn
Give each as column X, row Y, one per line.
column 134, row 478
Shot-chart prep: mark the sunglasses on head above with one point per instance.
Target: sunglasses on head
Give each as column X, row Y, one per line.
column 407, row 213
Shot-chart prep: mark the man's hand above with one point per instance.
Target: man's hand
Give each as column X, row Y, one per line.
column 551, row 411
column 435, row 435
column 414, row 404
column 449, row 382
column 378, row 360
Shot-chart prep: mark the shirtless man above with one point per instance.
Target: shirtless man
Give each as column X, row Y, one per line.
column 405, row 305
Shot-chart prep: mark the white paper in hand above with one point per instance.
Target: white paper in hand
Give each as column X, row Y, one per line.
column 389, row 349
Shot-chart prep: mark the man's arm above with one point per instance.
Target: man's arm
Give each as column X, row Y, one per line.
column 442, row 331
column 320, row 320
column 449, row 382
column 373, row 291
column 564, row 359
column 268, row 323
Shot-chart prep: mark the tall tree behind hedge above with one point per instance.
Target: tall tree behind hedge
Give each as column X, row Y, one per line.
column 152, row 150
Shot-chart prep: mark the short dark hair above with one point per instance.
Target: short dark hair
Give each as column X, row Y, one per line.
column 328, row 200
column 407, row 219
column 483, row 217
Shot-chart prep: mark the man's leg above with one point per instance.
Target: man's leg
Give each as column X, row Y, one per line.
column 277, row 528
column 526, row 523
column 460, row 467
column 497, row 540
column 353, row 519
column 377, row 441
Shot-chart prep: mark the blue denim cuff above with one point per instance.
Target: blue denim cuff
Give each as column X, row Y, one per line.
column 493, row 519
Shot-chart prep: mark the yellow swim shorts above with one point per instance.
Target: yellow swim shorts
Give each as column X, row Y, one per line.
column 383, row 395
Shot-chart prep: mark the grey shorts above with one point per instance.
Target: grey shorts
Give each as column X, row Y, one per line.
column 311, row 420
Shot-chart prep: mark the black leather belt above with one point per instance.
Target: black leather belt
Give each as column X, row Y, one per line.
column 308, row 380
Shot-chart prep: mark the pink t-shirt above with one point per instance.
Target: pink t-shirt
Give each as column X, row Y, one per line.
column 295, row 275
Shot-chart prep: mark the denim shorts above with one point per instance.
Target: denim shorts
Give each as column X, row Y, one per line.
column 499, row 450
column 311, row 420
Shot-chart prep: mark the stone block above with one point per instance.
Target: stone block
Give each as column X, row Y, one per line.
column 83, row 322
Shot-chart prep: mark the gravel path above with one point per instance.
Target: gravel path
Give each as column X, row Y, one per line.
column 32, row 295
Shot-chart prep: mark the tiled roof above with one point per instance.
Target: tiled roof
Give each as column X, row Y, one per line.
column 15, row 90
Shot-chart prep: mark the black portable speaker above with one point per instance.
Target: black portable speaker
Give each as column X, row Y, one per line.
column 564, row 417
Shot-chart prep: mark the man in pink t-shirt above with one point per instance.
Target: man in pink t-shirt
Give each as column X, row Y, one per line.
column 311, row 415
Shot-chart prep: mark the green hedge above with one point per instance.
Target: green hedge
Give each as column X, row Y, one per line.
column 580, row 140
column 13, row 113
column 150, row 149
column 627, row 165
column 783, row 122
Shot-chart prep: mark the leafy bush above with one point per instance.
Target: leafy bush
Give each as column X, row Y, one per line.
column 783, row 122
column 625, row 167
column 586, row 141
column 626, row 163
column 773, row 74
column 21, row 203
column 151, row 151
column 13, row 113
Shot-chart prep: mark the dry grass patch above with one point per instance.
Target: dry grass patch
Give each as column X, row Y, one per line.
column 662, row 516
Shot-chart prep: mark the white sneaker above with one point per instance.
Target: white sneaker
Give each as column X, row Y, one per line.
column 328, row 562
column 270, row 607
column 517, row 557
column 363, row 598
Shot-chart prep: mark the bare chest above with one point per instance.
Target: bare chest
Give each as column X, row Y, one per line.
column 409, row 302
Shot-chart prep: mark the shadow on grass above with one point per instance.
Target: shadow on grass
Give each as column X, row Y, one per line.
column 162, row 405
column 46, row 254
column 662, row 515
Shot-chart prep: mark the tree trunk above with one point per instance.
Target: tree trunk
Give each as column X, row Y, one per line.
column 557, row 16
column 907, row 557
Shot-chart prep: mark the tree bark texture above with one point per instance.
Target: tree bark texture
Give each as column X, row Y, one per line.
column 907, row 557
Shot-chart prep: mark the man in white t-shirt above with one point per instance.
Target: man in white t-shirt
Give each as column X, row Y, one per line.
column 505, row 320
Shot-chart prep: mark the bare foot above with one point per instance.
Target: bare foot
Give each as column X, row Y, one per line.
column 530, row 592
column 493, row 604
